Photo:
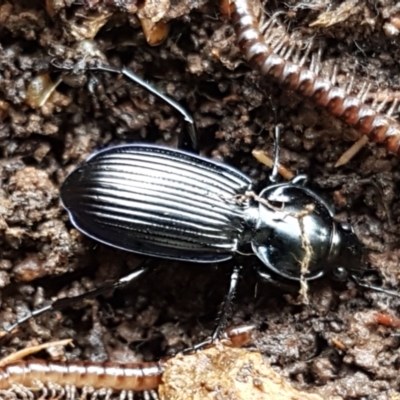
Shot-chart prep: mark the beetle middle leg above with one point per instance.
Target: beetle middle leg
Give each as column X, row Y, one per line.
column 226, row 305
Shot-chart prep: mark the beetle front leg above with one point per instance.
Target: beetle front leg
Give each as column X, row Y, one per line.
column 68, row 301
column 359, row 282
column 268, row 278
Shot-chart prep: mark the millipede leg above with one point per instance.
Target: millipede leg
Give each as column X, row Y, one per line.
column 150, row 395
column 87, row 390
column 7, row 395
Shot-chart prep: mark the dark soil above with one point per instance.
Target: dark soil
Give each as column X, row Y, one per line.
column 333, row 346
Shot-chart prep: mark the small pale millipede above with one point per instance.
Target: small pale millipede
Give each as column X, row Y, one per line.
column 287, row 65
column 70, row 380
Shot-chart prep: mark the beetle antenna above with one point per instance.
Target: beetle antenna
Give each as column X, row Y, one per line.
column 275, row 167
column 274, row 176
column 174, row 104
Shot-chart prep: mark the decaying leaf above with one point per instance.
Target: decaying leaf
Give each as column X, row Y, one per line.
column 340, row 14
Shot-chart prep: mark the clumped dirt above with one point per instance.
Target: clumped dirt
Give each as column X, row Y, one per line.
column 51, row 119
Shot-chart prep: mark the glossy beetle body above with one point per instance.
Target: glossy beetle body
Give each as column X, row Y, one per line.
column 176, row 205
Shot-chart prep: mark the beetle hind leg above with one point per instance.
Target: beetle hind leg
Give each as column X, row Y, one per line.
column 68, row 301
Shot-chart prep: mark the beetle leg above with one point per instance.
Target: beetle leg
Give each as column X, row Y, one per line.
column 300, row 180
column 286, row 286
column 65, row 302
column 192, row 131
column 274, row 176
column 226, row 306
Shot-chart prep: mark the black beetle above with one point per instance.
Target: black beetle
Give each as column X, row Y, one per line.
column 177, row 205
column 172, row 204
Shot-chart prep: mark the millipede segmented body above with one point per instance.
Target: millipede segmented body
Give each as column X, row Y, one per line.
column 260, row 55
column 137, row 377
column 134, row 377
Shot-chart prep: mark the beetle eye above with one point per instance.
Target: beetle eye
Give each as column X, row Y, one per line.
column 340, row 274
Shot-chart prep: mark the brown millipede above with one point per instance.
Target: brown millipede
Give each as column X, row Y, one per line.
column 267, row 58
column 43, row 375
column 137, row 377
